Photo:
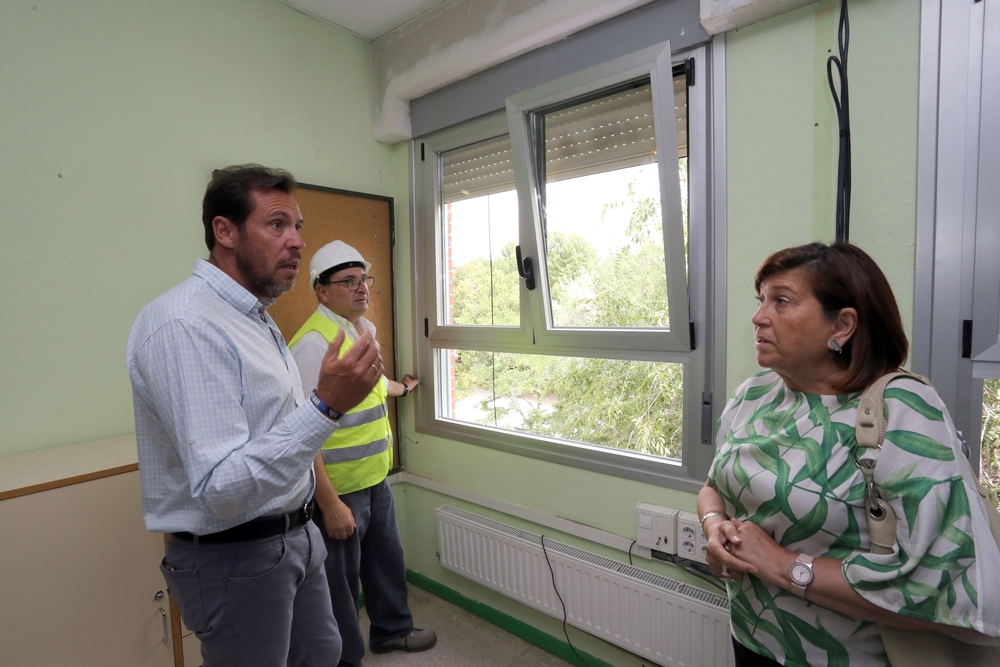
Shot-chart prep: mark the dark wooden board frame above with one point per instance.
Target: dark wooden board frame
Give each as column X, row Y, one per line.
column 367, row 222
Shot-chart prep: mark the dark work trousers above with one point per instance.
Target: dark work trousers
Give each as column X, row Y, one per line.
column 373, row 555
column 258, row 602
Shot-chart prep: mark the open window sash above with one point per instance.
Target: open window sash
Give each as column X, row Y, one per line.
column 526, row 113
column 439, row 329
column 985, row 347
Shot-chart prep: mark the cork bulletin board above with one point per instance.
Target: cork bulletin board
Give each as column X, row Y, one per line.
column 365, row 222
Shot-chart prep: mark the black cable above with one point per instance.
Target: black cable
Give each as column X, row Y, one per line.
column 844, row 124
column 565, row 617
column 701, row 571
column 697, row 569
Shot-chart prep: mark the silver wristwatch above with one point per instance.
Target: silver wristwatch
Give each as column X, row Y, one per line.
column 801, row 574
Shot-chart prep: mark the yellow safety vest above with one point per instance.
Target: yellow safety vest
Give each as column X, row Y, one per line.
column 359, row 454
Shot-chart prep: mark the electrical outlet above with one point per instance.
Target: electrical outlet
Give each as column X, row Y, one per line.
column 691, row 542
column 656, row 527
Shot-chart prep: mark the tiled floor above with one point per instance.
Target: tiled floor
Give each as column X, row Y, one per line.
column 464, row 640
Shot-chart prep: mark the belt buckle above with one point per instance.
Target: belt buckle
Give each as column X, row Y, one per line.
column 307, row 510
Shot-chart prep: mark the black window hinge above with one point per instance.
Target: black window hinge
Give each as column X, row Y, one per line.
column 689, row 71
column 421, row 151
column 426, row 329
column 966, row 339
column 691, row 331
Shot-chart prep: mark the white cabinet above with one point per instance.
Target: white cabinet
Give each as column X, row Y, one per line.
column 79, row 579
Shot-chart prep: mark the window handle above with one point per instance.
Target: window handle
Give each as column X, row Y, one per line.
column 525, row 269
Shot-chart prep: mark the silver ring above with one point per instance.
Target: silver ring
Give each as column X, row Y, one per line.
column 725, row 573
column 374, row 366
column 726, row 546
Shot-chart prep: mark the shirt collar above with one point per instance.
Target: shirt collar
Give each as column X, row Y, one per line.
column 349, row 328
column 231, row 291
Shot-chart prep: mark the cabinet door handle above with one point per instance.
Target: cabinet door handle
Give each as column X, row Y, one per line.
column 163, row 617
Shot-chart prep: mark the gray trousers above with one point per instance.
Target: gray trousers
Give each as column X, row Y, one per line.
column 256, row 603
column 373, row 554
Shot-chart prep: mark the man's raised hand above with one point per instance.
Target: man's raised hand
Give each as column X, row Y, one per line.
column 346, row 381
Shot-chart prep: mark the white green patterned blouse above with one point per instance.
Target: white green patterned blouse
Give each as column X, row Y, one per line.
column 784, row 462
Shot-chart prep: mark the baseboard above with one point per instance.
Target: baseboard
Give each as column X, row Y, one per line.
column 533, row 636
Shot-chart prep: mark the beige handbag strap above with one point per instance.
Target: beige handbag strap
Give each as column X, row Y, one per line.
column 870, row 432
column 869, row 429
column 870, row 424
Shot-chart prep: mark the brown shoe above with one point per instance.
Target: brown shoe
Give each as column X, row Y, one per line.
column 413, row 642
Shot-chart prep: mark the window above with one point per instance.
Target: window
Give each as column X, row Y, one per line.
column 957, row 305
column 985, row 335
column 558, row 264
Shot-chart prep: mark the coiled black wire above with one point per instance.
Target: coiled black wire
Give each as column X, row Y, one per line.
column 844, row 123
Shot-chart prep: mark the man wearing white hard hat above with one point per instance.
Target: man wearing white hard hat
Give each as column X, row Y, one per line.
column 355, row 510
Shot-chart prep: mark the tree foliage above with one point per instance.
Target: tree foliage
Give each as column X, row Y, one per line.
column 622, row 404
column 486, row 292
column 990, row 454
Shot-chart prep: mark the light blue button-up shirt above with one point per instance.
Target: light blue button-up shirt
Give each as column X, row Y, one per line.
column 223, row 431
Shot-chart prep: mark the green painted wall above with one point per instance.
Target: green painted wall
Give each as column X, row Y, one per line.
column 113, row 114
column 782, row 147
column 782, row 154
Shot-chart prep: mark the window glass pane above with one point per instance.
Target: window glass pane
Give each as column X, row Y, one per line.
column 479, row 215
column 603, row 227
column 989, row 462
column 619, row 404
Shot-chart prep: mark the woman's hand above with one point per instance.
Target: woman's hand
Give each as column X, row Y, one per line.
column 721, row 534
column 723, row 539
column 753, row 545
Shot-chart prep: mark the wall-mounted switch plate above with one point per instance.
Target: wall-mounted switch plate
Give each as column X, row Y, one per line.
column 656, row 527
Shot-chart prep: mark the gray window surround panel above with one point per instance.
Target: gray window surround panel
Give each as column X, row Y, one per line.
column 674, row 20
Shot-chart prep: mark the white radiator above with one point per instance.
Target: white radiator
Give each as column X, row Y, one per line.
column 659, row 619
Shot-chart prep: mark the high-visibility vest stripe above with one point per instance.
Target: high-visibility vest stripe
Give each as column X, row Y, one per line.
column 368, row 416
column 355, row 453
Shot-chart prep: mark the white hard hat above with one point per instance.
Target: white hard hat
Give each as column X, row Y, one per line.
column 332, row 255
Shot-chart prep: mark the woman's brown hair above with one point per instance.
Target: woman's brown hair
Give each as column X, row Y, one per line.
column 844, row 276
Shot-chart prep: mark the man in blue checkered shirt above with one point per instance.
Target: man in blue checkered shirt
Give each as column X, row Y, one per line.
column 226, row 437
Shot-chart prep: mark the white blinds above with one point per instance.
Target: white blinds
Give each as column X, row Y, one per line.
column 477, row 169
column 610, row 132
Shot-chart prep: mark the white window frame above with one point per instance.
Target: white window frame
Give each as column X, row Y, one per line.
column 956, row 340
column 656, row 63
column 985, row 350
column 704, row 364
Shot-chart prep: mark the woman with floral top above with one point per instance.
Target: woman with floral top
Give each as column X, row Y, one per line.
column 784, row 504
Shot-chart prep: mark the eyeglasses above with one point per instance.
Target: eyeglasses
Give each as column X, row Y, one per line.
column 353, row 283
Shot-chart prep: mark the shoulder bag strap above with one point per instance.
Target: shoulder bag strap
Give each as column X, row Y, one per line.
column 869, row 431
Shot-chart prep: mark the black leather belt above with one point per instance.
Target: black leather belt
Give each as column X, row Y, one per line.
column 256, row 529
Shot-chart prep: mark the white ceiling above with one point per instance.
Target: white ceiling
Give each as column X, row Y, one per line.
column 368, row 19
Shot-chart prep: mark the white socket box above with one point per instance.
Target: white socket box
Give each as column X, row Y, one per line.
column 691, row 542
column 656, row 527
